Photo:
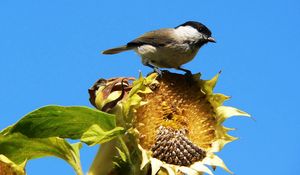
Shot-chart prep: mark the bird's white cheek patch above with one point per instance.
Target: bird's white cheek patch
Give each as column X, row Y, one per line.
column 187, row 33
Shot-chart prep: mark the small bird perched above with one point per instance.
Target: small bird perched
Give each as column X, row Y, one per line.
column 168, row 47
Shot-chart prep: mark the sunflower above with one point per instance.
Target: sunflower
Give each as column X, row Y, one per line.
column 174, row 120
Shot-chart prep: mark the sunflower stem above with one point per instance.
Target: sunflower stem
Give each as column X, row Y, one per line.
column 126, row 150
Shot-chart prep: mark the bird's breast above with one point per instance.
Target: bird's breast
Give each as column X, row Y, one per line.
column 170, row 56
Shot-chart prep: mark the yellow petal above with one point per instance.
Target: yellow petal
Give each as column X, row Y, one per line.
column 170, row 171
column 209, row 85
column 217, row 99
column 201, row 168
column 220, row 143
column 155, row 165
column 145, row 158
column 188, row 171
column 150, row 79
column 224, row 112
column 214, row 160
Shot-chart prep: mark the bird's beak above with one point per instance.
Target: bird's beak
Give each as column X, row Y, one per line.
column 211, row 39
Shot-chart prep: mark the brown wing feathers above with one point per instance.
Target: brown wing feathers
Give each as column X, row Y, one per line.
column 157, row 38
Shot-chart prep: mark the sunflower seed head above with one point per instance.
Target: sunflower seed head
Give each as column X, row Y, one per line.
column 173, row 147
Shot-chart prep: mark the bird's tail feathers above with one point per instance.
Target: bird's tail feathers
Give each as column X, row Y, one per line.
column 117, row 50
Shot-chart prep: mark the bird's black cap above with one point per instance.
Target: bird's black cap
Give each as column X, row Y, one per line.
column 197, row 25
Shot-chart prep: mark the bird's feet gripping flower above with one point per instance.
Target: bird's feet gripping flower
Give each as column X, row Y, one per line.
column 173, row 126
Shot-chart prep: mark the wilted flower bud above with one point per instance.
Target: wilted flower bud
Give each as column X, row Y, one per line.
column 105, row 94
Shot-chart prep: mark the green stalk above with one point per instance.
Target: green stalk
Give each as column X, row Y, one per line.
column 102, row 163
column 127, row 153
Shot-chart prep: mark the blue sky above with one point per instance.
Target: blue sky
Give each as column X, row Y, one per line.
column 50, row 54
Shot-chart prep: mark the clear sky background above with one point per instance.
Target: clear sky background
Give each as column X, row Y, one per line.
column 50, row 54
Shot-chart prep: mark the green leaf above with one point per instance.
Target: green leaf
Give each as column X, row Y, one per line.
column 95, row 135
column 6, row 130
column 65, row 122
column 19, row 148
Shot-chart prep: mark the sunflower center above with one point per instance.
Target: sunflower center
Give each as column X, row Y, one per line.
column 173, row 147
column 177, row 103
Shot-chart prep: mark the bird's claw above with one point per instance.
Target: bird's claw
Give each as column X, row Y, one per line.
column 157, row 70
column 189, row 76
column 188, row 73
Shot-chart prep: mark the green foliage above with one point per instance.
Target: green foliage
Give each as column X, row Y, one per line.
column 95, row 135
column 41, row 133
column 65, row 122
column 19, row 148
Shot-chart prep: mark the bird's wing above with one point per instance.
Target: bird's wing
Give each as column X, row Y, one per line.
column 157, row 38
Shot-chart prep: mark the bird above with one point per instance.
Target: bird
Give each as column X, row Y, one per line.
column 168, row 47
